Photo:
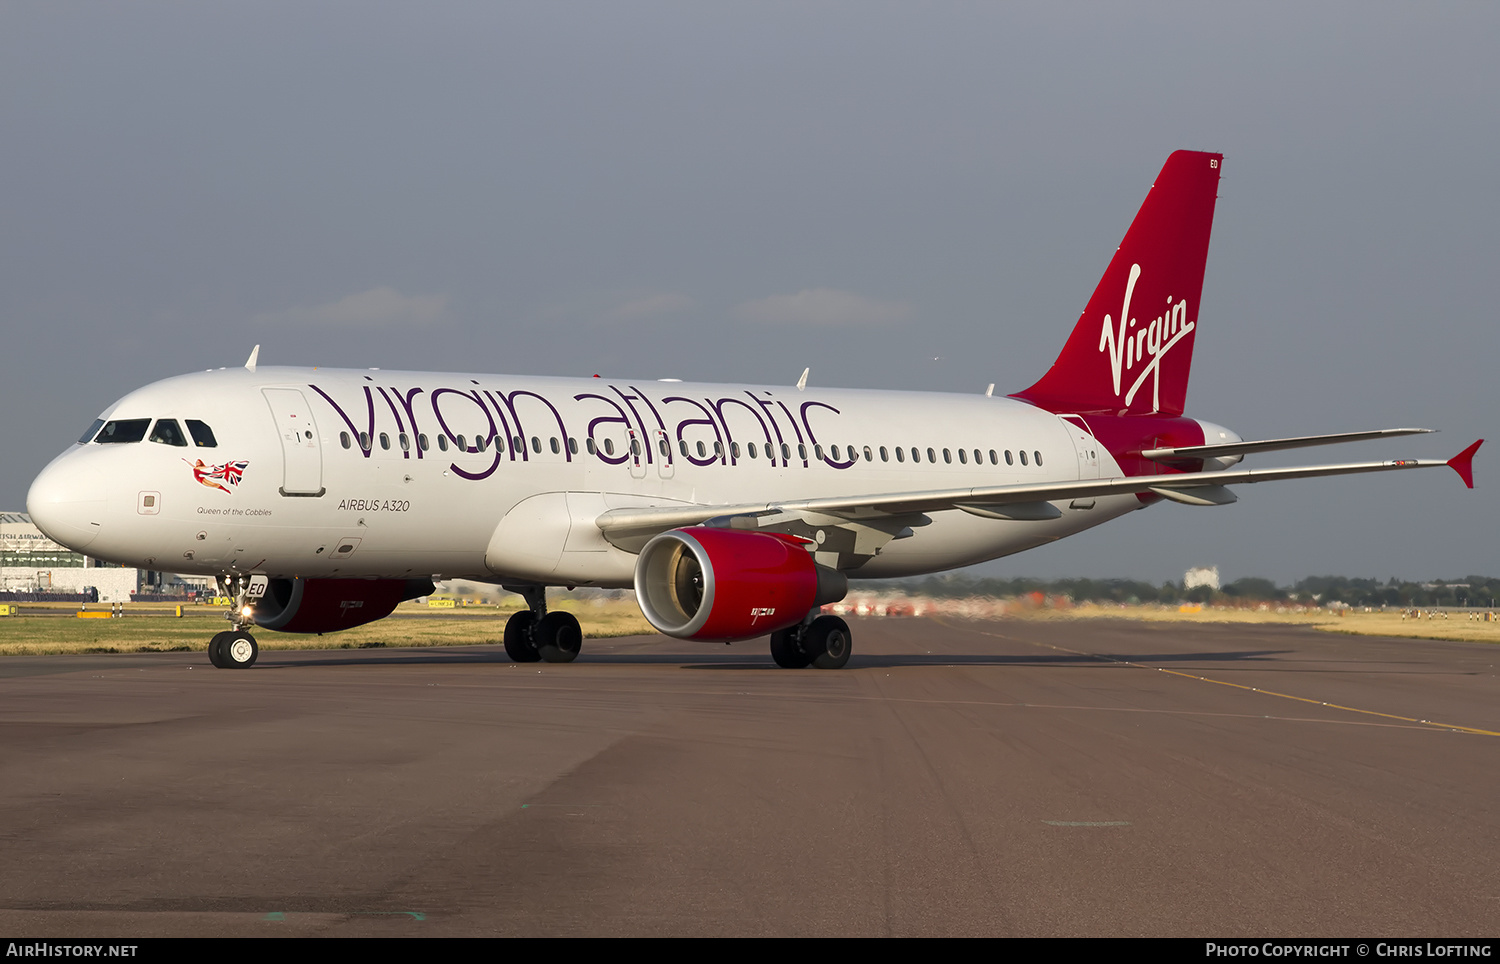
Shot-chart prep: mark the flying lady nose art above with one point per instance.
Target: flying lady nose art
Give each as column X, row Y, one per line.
column 217, row 476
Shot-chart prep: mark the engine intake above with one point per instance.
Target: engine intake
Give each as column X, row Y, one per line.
column 714, row 584
column 328, row 605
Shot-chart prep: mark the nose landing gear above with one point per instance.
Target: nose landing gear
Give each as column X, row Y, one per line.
column 235, row 648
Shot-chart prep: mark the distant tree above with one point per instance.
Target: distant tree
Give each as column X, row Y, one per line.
column 1253, row 588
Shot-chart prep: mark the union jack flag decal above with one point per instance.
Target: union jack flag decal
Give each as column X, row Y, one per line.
column 213, row 475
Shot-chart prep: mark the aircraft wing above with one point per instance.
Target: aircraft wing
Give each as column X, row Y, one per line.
column 631, row 527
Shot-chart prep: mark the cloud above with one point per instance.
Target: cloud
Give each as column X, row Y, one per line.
column 651, row 306
column 827, row 307
column 382, row 307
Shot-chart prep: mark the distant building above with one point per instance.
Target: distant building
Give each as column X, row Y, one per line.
column 1204, row 576
column 30, row 562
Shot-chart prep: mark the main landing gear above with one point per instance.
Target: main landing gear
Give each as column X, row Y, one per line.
column 824, row 643
column 534, row 634
column 235, row 648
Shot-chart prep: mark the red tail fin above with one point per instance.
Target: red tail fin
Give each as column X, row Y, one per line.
column 1133, row 346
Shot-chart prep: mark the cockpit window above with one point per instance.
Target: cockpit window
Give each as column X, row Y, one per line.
column 124, row 430
column 88, row 436
column 168, row 432
column 203, row 436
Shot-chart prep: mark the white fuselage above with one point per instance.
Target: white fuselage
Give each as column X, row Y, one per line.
column 339, row 473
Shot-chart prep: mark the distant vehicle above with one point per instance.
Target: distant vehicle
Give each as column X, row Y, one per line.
column 322, row 498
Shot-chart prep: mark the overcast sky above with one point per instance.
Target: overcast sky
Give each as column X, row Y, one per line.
column 916, row 196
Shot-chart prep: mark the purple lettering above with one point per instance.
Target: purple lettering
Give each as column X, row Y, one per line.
column 369, row 407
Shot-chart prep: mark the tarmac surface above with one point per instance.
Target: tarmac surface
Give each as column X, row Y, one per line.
column 958, row 778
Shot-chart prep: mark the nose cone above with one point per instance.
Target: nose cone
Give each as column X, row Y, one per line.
column 67, row 503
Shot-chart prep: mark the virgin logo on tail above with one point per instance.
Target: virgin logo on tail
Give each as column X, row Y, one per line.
column 1129, row 345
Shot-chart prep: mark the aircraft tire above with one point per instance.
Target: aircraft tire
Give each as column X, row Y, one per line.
column 518, row 644
column 559, row 637
column 830, row 642
column 238, row 650
column 786, row 651
column 216, row 650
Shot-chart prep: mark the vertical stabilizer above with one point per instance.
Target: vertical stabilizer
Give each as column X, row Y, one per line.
column 1132, row 348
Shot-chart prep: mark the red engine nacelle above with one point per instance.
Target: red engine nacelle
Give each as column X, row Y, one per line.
column 724, row 584
column 328, row 605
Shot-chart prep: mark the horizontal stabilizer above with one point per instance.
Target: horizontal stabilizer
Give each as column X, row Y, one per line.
column 1272, row 445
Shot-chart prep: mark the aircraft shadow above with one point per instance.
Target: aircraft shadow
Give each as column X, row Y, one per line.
column 741, row 661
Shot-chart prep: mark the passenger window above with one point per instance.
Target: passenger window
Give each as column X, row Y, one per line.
column 588, row 443
column 701, row 450
column 719, row 448
column 1038, row 457
column 994, row 459
column 385, row 441
column 869, row 455
column 461, row 442
column 900, row 454
column 786, row 452
column 818, row 451
column 364, row 441
column 93, row 430
column 635, row 447
column 536, row 445
column 1023, row 458
column 931, row 456
column 442, row 443
column 916, row 456
column 168, row 432
column 963, row 457
column 405, row 442
column 572, row 446
column 734, row 450
column 203, row 436
column 834, row 451
column 978, row 458
column 480, row 443
column 422, row 445
column 1007, row 458
column 124, row 430
column 344, row 440
column 609, row 446
column 499, row 443
column 802, row 451
column 682, row 444
column 752, row 450
column 884, row 455
column 517, row 445
column 555, row 445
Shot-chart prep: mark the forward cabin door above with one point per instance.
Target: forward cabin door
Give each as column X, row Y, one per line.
column 301, row 449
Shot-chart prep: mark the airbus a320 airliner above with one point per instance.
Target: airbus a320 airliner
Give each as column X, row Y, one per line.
column 321, row 499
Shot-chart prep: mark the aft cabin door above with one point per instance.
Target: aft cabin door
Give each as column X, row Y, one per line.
column 301, row 449
column 1085, row 445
